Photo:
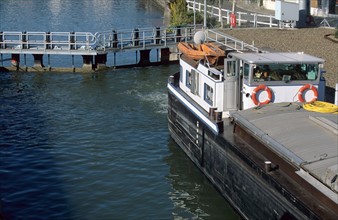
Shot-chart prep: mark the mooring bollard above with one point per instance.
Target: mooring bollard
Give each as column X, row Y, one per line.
column 267, row 166
column 218, row 115
column 212, row 112
column 171, row 79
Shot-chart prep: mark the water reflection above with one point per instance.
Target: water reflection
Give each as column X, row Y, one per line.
column 82, row 146
column 30, row 180
column 78, row 15
column 192, row 194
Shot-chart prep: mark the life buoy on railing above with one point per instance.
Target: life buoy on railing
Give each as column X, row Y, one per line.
column 307, row 87
column 258, row 88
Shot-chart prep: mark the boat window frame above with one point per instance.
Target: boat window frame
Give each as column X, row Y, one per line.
column 194, row 82
column 286, row 79
column 207, row 98
column 230, row 70
column 188, row 79
column 246, row 72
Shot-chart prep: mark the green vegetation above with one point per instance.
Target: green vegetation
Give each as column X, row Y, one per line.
column 180, row 16
column 178, row 12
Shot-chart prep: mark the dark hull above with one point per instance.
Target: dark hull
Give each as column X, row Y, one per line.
column 230, row 165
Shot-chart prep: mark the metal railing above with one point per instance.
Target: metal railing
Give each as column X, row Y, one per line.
column 57, row 42
column 241, row 17
column 47, row 40
column 229, row 41
column 143, row 38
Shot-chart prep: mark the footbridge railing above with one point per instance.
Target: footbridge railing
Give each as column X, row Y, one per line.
column 90, row 43
column 42, row 41
column 143, row 38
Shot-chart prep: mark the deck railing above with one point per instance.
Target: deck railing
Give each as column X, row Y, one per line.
column 229, row 41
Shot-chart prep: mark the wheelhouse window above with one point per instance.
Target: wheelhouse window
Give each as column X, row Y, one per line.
column 188, row 79
column 285, row 72
column 246, row 71
column 208, row 94
column 194, row 82
column 231, row 68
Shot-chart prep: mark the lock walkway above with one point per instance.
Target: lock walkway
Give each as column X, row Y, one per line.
column 93, row 47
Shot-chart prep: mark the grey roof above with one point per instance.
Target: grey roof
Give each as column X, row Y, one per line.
column 282, row 57
column 306, row 139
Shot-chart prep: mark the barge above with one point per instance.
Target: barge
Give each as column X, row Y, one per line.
column 244, row 124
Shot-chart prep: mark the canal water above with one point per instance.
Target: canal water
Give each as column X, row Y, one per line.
column 93, row 146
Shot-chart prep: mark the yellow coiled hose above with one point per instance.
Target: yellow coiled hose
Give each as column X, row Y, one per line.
column 322, row 107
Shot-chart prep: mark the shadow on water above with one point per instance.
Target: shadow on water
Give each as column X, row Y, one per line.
column 192, row 193
column 91, row 146
column 30, row 187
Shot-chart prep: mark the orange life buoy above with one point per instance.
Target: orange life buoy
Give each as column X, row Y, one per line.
column 307, row 87
column 264, row 88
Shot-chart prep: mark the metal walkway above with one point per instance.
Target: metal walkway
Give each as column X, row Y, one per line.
column 94, row 48
column 86, row 43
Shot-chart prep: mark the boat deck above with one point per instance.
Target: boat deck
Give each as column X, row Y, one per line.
column 308, row 140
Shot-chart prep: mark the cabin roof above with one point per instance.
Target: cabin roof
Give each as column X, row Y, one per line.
column 306, row 139
column 281, row 57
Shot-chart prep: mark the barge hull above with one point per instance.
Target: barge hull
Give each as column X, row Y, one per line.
column 245, row 185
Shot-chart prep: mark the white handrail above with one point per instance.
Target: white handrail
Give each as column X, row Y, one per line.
column 229, row 41
column 253, row 18
column 106, row 40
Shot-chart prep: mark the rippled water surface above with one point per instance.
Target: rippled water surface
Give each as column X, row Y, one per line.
column 93, row 146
